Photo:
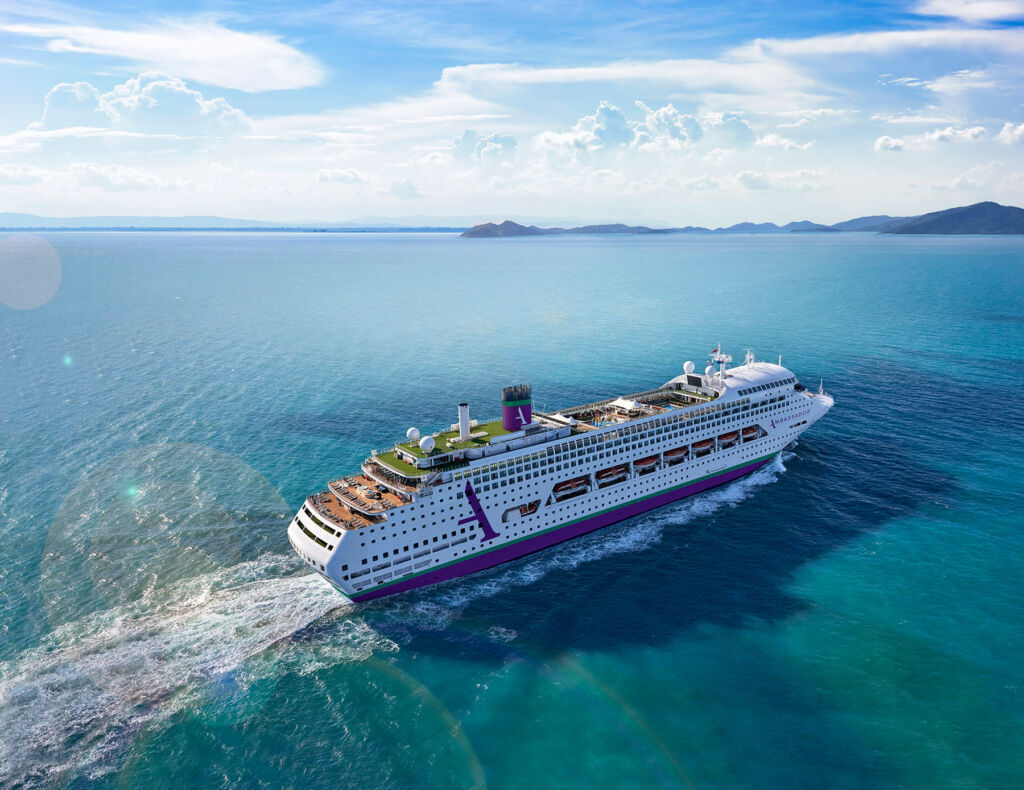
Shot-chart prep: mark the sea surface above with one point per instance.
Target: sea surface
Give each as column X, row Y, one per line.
column 851, row 616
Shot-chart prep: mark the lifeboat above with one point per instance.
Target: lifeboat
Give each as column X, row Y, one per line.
column 570, row 485
column 530, row 508
column 679, row 452
column 703, row 447
column 608, row 474
column 646, row 464
column 750, row 432
column 728, row 438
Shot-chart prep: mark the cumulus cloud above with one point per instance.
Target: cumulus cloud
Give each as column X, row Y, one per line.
column 340, row 176
column 887, row 143
column 701, row 183
column 488, row 148
column 728, row 128
column 780, row 181
column 117, row 178
column 979, row 177
column 667, row 123
column 609, row 129
column 1010, row 134
column 21, row 175
column 949, row 135
column 106, row 177
column 202, row 50
column 404, row 189
column 73, row 104
column 778, row 141
column 149, row 103
column 805, row 116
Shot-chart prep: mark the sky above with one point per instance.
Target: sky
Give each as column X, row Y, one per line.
column 658, row 112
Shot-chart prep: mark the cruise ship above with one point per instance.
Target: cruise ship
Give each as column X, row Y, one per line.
column 436, row 507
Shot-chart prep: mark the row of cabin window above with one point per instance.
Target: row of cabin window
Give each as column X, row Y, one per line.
column 414, row 546
column 762, row 387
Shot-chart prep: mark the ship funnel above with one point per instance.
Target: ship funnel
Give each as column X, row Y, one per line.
column 463, row 422
column 516, row 407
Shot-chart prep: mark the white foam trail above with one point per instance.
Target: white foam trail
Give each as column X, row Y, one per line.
column 67, row 703
column 442, row 607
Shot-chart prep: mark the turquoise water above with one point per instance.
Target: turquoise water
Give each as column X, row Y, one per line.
column 848, row 617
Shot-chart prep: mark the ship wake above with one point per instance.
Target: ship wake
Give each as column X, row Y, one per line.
column 72, row 705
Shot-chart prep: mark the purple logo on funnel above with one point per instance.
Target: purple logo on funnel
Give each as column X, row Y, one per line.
column 478, row 515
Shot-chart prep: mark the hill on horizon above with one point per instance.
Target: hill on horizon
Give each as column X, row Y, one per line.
column 978, row 219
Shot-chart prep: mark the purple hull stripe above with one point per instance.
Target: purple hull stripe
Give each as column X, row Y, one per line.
column 544, row 540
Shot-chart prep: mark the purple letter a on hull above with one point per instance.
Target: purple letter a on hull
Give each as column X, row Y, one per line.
column 478, row 514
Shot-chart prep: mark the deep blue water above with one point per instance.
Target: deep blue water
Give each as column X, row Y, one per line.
column 849, row 617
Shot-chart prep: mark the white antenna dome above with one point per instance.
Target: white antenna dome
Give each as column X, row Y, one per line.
column 427, row 444
column 413, row 434
column 709, row 370
column 688, row 367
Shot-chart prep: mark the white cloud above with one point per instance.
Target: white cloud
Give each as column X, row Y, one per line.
column 728, row 128
column 487, row 148
column 21, row 175
column 404, row 189
column 119, row 177
column 73, row 104
column 961, row 82
column 951, row 134
column 107, row 178
column 778, row 141
column 340, row 176
column 806, row 116
column 1010, row 134
column 979, row 177
column 973, row 10
column 150, row 103
column 917, row 142
column 886, row 143
column 795, row 180
column 667, row 123
column 201, row 50
column 1007, row 40
column 742, row 75
column 912, row 118
column 702, row 183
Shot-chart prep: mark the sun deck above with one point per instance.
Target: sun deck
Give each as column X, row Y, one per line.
column 329, row 506
column 447, row 441
column 616, row 411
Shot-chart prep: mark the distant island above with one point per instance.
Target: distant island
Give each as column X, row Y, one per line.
column 980, row 218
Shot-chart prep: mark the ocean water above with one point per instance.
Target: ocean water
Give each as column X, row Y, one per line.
column 851, row 616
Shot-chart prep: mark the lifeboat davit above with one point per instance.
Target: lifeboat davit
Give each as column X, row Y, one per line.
column 608, row 474
column 728, row 438
column 750, row 432
column 570, row 485
column 679, row 452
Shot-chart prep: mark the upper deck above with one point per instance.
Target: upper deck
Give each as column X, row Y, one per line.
column 392, row 477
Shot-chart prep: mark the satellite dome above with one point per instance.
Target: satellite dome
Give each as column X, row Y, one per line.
column 709, row 370
column 413, row 434
column 427, row 444
column 688, row 367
